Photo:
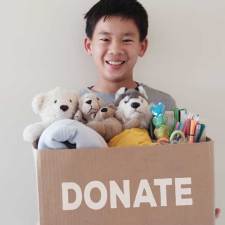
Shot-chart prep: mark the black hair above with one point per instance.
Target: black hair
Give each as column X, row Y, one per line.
column 128, row 9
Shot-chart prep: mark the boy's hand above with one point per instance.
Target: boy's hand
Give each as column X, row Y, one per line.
column 217, row 212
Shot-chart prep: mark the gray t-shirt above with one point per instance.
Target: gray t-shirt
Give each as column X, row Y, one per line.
column 154, row 96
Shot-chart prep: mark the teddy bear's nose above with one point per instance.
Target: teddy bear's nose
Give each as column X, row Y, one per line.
column 104, row 110
column 88, row 102
column 64, row 107
column 135, row 105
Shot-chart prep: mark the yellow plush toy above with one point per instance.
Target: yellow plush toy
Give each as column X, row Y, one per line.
column 131, row 137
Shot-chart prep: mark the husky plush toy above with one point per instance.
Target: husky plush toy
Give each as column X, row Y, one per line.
column 133, row 107
column 133, row 112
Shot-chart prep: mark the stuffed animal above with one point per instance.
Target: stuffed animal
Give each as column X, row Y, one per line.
column 132, row 107
column 51, row 106
column 105, row 123
column 133, row 111
column 89, row 104
column 131, row 137
column 70, row 134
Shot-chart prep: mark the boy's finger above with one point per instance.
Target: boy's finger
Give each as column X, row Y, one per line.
column 217, row 212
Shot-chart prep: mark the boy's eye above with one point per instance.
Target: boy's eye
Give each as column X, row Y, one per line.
column 104, row 39
column 127, row 40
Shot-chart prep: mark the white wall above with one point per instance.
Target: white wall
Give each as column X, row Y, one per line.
column 41, row 47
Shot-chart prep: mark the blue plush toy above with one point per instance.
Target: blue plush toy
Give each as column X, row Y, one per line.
column 71, row 134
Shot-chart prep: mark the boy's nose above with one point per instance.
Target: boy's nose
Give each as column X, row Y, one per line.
column 115, row 49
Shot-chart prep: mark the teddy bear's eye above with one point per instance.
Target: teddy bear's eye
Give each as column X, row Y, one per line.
column 70, row 100
column 55, row 101
column 98, row 99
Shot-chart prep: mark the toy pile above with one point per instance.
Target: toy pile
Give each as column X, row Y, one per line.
column 70, row 121
column 177, row 126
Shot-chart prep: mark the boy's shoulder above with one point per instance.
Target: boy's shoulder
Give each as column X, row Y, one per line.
column 154, row 96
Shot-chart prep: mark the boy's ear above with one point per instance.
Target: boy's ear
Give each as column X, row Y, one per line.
column 143, row 47
column 87, row 45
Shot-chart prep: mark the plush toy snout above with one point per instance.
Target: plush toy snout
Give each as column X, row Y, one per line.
column 135, row 105
column 64, row 107
column 89, row 102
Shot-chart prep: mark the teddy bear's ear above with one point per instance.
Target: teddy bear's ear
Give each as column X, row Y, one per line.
column 141, row 89
column 112, row 106
column 76, row 99
column 37, row 103
column 100, row 101
column 120, row 116
column 121, row 91
column 80, row 101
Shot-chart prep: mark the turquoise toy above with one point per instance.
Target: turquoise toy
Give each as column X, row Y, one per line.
column 161, row 130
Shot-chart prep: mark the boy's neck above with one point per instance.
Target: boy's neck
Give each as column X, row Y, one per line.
column 112, row 86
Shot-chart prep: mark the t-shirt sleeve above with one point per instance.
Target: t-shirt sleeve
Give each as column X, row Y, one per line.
column 155, row 96
column 169, row 102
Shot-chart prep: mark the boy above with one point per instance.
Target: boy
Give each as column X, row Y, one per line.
column 116, row 36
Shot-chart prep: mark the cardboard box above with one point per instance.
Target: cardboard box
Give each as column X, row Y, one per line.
column 158, row 185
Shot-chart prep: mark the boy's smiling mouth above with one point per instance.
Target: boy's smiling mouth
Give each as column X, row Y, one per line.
column 115, row 62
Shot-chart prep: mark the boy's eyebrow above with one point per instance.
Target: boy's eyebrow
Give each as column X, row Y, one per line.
column 129, row 34
column 108, row 33
column 104, row 33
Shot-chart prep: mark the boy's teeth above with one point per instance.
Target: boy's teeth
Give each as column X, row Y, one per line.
column 115, row 62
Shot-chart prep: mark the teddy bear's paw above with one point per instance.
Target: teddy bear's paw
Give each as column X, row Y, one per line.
column 33, row 132
column 78, row 116
column 28, row 135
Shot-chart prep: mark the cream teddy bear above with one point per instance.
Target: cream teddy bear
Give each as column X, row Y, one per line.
column 53, row 105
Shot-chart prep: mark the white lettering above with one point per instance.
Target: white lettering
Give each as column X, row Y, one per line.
column 123, row 196
column 148, row 198
column 144, row 194
column 103, row 193
column 182, row 191
column 163, row 194
column 65, row 196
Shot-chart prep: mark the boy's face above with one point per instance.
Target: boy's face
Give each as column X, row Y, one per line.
column 115, row 47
